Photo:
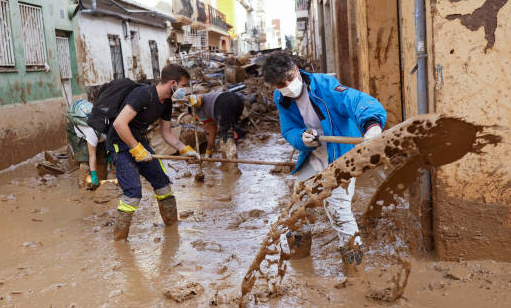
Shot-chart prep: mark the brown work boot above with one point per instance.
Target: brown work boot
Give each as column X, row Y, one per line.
column 122, row 225
column 168, row 210
column 228, row 149
column 299, row 243
column 353, row 261
column 83, row 173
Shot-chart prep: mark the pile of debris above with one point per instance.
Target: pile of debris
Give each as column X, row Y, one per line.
column 239, row 74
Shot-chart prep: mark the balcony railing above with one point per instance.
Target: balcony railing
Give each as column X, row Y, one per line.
column 216, row 18
column 301, row 5
column 182, row 7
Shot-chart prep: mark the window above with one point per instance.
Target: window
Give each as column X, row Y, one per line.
column 33, row 36
column 6, row 51
column 64, row 57
column 153, row 47
column 116, row 54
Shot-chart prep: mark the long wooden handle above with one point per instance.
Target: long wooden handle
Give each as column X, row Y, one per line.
column 223, row 160
column 338, row 139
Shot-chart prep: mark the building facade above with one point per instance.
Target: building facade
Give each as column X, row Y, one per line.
column 126, row 40
column 198, row 26
column 39, row 75
column 248, row 19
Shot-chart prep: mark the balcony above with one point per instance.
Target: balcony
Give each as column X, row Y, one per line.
column 302, row 9
column 202, row 15
column 183, row 12
column 216, row 18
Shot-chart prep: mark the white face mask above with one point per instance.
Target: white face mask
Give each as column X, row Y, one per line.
column 294, row 89
column 179, row 94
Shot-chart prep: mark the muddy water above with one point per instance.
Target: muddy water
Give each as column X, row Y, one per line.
column 57, row 250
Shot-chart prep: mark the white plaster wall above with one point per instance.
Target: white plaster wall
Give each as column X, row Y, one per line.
column 148, row 33
column 94, row 50
column 241, row 19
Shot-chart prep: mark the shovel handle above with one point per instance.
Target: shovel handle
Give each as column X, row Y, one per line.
column 224, row 160
column 338, row 139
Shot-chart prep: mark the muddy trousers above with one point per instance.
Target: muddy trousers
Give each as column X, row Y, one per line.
column 228, row 110
column 128, row 173
column 337, row 207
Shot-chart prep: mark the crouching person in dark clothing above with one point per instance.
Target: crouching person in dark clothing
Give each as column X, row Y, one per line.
column 132, row 153
column 225, row 108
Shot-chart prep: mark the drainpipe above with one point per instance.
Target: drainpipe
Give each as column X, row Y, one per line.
column 92, row 9
column 75, row 8
column 422, row 102
column 422, row 57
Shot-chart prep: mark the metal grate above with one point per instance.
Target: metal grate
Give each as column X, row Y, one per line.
column 33, row 35
column 64, row 58
column 6, row 50
column 198, row 38
column 116, row 54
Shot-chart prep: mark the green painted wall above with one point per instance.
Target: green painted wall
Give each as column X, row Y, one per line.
column 21, row 86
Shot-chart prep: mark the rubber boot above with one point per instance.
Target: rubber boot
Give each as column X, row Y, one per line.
column 168, row 210
column 228, row 148
column 353, row 261
column 83, row 172
column 300, row 243
column 122, row 225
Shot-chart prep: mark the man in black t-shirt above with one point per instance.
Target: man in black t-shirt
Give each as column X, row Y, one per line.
column 132, row 153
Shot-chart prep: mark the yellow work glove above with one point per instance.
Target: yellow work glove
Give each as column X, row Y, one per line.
column 189, row 152
column 195, row 101
column 208, row 154
column 140, row 153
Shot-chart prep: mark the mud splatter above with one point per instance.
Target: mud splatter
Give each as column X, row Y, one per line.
column 423, row 141
column 485, row 16
column 184, row 291
column 398, row 283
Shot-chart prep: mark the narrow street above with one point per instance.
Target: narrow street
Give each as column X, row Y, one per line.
column 372, row 139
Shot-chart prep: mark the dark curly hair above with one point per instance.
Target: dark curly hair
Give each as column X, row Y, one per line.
column 276, row 67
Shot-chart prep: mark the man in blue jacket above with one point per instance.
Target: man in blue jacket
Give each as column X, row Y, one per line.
column 311, row 105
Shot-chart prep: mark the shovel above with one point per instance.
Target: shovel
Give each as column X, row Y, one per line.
column 337, row 139
column 225, row 160
column 199, row 177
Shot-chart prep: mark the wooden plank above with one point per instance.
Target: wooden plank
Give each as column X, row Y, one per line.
column 408, row 58
column 363, row 62
column 341, row 42
column 383, row 56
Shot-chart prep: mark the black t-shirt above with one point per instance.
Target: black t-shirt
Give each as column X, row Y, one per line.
column 147, row 105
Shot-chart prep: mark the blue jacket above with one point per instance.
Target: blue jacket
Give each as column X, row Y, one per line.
column 342, row 111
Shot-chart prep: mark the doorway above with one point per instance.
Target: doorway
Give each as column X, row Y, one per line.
column 135, row 54
column 116, row 53
column 64, row 59
column 153, row 47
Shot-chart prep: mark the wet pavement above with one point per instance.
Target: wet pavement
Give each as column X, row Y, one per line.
column 57, row 248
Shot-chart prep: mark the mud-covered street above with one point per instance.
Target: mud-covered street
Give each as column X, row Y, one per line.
column 58, row 250
column 255, row 153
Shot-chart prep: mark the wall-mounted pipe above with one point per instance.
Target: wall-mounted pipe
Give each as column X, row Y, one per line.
column 422, row 94
column 93, row 7
column 422, row 57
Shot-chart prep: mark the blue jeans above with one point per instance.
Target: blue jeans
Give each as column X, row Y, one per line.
column 128, row 173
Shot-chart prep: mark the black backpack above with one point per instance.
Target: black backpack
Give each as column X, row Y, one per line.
column 109, row 102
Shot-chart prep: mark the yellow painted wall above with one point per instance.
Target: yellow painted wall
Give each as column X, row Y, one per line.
column 228, row 8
